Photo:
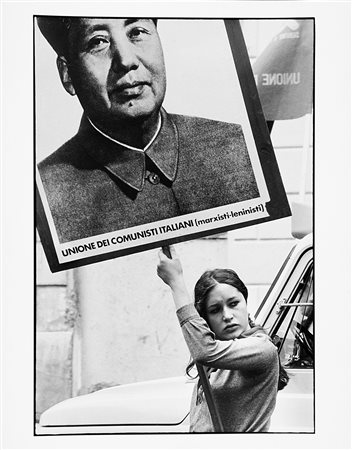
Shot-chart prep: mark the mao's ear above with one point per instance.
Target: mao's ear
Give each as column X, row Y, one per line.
column 66, row 81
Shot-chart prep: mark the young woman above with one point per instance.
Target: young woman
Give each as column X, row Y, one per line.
column 241, row 361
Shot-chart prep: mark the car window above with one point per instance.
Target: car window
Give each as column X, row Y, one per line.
column 275, row 281
column 293, row 331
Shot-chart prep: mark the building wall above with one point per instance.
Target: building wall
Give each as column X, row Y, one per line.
column 114, row 322
column 54, row 334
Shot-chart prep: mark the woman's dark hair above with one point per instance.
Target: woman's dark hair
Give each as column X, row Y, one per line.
column 204, row 285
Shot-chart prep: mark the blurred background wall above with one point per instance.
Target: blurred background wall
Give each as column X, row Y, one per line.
column 114, row 322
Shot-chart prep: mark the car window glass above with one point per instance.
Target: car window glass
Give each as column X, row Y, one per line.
column 275, row 280
column 293, row 332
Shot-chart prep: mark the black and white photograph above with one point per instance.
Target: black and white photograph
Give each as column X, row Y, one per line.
column 176, row 191
column 135, row 174
column 243, row 345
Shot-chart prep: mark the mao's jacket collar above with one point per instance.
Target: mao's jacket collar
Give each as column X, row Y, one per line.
column 128, row 165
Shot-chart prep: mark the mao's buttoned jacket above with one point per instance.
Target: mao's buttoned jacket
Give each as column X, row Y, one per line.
column 94, row 185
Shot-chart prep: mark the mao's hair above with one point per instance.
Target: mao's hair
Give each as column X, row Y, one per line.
column 56, row 30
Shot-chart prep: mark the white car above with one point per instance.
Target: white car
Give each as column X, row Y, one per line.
column 162, row 406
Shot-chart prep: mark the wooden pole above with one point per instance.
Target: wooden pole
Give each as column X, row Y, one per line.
column 214, row 413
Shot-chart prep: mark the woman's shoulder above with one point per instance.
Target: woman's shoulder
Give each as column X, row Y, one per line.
column 256, row 330
column 264, row 344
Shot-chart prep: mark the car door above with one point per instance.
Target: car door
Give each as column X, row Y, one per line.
column 291, row 327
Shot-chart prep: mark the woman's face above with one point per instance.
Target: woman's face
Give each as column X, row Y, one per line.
column 226, row 310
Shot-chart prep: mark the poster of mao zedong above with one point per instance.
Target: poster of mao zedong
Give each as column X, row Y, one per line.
column 148, row 131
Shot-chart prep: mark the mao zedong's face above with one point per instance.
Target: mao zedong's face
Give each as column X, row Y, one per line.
column 116, row 68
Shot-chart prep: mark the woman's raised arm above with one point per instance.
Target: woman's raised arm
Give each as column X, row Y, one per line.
column 170, row 271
